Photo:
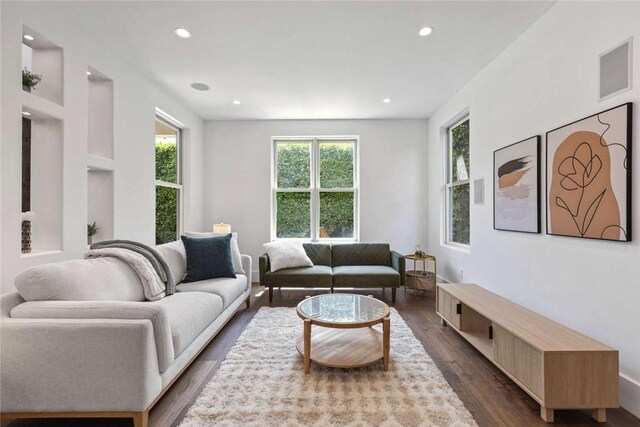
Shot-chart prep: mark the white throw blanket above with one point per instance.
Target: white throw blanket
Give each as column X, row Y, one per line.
column 152, row 284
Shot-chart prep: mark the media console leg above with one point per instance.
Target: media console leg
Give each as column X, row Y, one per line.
column 546, row 414
column 600, row 415
column 443, row 322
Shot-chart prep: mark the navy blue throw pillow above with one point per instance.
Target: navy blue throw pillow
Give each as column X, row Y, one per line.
column 208, row 258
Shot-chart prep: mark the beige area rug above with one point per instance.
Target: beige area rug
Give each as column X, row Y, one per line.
column 262, row 383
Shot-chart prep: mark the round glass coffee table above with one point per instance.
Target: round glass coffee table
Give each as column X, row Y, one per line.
column 342, row 336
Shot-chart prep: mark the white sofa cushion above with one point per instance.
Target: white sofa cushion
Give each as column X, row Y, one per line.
column 81, row 280
column 228, row 289
column 175, row 257
column 189, row 313
column 287, row 254
column 235, row 249
column 156, row 313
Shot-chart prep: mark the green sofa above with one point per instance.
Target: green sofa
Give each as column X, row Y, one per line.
column 353, row 265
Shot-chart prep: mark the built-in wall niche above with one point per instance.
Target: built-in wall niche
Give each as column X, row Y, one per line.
column 42, row 163
column 100, row 202
column 100, row 114
column 43, row 57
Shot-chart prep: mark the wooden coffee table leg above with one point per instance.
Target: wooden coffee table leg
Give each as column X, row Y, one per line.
column 307, row 345
column 386, row 335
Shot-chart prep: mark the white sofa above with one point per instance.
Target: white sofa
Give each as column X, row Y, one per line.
column 109, row 358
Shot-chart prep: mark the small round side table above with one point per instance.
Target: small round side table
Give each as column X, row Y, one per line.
column 424, row 279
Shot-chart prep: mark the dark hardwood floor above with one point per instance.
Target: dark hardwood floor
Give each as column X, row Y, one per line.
column 492, row 398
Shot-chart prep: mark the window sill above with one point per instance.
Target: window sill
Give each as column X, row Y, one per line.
column 465, row 249
column 306, row 240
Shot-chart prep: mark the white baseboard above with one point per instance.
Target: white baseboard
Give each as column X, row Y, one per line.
column 630, row 395
column 442, row 279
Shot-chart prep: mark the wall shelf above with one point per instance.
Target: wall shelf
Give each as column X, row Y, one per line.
column 99, row 163
column 46, row 182
column 44, row 57
column 39, row 253
column 41, row 108
column 100, row 202
column 100, row 114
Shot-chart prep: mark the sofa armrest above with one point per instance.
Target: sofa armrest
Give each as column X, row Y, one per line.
column 78, row 365
column 264, row 267
column 398, row 264
column 247, row 266
column 122, row 310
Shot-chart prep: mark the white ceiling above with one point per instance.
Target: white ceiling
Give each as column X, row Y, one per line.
column 309, row 60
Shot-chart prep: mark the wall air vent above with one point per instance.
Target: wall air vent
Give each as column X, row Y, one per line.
column 478, row 191
column 615, row 70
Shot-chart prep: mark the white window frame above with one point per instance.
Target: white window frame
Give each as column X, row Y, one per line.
column 315, row 188
column 162, row 118
column 449, row 184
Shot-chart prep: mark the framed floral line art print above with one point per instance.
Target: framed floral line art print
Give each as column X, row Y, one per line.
column 588, row 174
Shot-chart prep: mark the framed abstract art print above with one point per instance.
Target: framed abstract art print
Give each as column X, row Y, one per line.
column 516, row 186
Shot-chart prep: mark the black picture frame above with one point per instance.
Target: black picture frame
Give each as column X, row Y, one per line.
column 629, row 158
column 538, row 143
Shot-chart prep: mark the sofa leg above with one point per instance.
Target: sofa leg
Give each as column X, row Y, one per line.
column 248, row 301
column 141, row 419
column 331, row 291
column 393, row 295
column 270, row 294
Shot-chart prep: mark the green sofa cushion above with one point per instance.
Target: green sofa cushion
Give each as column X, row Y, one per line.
column 365, row 276
column 318, row 276
column 319, row 253
column 361, row 254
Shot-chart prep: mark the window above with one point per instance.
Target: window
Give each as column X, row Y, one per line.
column 457, row 195
column 168, row 181
column 315, row 188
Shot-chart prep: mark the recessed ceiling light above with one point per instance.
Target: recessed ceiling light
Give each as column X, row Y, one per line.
column 425, row 31
column 235, row 101
column 386, row 100
column 182, row 32
column 28, row 37
column 88, row 73
column 199, row 86
column 26, row 113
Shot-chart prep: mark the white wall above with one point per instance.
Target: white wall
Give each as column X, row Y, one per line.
column 392, row 177
column 546, row 78
column 135, row 101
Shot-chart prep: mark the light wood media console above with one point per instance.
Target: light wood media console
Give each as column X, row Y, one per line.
column 557, row 366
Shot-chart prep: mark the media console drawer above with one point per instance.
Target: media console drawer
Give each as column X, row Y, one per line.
column 449, row 307
column 520, row 359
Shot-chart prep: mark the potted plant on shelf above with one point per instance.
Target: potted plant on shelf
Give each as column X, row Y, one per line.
column 30, row 80
column 92, row 230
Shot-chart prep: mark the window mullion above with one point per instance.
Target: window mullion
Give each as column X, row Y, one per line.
column 315, row 196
